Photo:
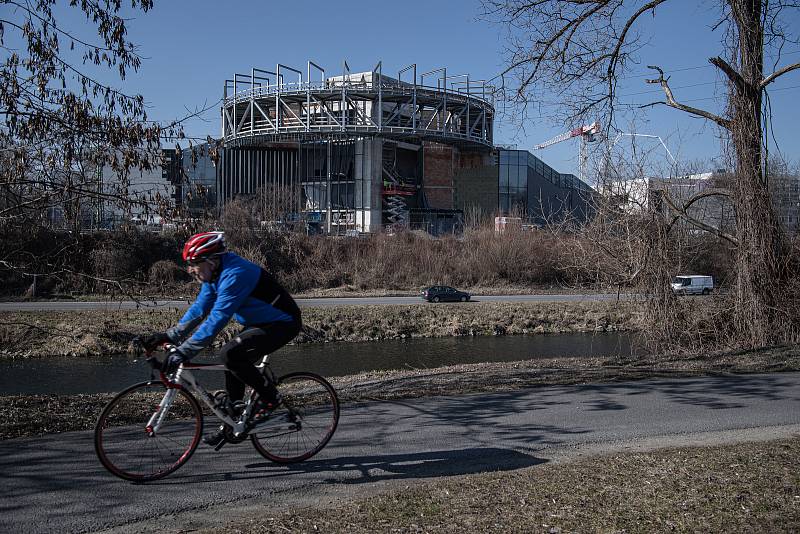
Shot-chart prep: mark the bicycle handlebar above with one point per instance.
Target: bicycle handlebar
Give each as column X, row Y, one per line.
column 158, row 365
column 152, row 360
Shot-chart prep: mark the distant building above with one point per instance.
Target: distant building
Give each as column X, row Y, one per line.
column 367, row 152
column 193, row 177
column 785, row 189
column 107, row 199
column 146, row 194
column 358, row 152
column 531, row 188
column 643, row 194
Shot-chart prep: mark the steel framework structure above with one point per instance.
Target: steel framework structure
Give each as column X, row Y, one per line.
column 265, row 106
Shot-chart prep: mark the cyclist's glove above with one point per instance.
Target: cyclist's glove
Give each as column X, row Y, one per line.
column 152, row 341
column 175, row 358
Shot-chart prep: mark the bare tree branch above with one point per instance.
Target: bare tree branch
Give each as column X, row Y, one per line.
column 682, row 212
column 612, row 64
column 729, row 71
column 671, row 102
column 772, row 77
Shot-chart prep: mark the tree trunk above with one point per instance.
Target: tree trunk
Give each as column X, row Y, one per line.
column 760, row 240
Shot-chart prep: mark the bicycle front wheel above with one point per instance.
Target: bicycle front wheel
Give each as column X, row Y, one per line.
column 148, row 431
column 302, row 424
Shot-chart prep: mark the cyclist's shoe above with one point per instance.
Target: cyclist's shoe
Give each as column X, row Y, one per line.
column 265, row 406
column 215, row 438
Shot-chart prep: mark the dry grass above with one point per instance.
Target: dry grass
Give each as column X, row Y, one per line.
column 738, row 488
column 403, row 262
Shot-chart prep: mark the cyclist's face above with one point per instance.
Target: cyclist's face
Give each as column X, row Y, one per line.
column 203, row 271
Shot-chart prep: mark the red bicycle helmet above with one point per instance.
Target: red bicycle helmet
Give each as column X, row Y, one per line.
column 203, row 246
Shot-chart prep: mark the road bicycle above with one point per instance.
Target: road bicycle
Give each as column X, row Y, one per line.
column 152, row 428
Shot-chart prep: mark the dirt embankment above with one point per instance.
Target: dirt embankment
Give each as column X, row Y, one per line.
column 91, row 333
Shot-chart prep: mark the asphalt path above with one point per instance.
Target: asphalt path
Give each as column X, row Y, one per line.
column 302, row 302
column 55, row 483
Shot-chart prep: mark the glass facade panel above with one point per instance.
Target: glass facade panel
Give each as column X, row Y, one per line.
column 342, row 195
column 519, row 171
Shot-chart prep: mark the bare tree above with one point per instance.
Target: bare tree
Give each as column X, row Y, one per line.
column 60, row 124
column 584, row 47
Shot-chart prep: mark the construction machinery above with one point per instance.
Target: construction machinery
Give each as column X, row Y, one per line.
column 397, row 189
column 587, row 133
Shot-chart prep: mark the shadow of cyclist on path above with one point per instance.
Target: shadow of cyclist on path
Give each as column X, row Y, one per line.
column 375, row 468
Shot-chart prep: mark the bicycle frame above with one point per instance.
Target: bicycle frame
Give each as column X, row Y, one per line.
column 185, row 379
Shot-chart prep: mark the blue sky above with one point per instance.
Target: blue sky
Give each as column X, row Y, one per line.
column 191, row 47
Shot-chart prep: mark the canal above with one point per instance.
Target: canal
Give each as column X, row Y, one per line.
column 67, row 376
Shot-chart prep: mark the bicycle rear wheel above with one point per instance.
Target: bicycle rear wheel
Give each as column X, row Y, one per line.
column 128, row 447
column 302, row 424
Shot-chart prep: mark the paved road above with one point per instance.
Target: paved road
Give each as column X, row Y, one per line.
column 180, row 304
column 55, row 484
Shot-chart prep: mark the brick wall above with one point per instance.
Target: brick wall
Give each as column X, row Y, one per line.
column 477, row 187
column 438, row 174
column 454, row 178
column 472, row 160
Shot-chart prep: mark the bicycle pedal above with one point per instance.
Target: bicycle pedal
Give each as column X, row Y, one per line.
column 221, row 444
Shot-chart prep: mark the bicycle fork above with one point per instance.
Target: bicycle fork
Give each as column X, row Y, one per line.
column 154, row 424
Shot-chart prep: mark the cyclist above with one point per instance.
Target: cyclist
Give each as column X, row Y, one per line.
column 232, row 287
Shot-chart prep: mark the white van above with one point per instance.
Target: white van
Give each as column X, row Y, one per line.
column 692, row 284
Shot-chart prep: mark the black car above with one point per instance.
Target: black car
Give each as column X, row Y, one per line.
column 444, row 294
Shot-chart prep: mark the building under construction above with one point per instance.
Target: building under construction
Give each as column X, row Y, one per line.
column 358, row 152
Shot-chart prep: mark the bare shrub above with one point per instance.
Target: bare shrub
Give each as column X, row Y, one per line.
column 166, row 272
column 113, row 264
column 480, row 258
column 409, row 260
column 253, row 252
column 513, row 257
column 240, row 224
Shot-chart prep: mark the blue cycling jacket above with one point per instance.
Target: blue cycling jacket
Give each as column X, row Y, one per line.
column 242, row 291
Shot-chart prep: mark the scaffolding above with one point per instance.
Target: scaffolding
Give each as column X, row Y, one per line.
column 266, row 105
column 345, row 150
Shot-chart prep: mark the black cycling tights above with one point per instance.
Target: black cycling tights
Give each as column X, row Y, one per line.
column 248, row 347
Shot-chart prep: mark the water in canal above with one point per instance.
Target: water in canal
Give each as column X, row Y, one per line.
column 67, row 376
